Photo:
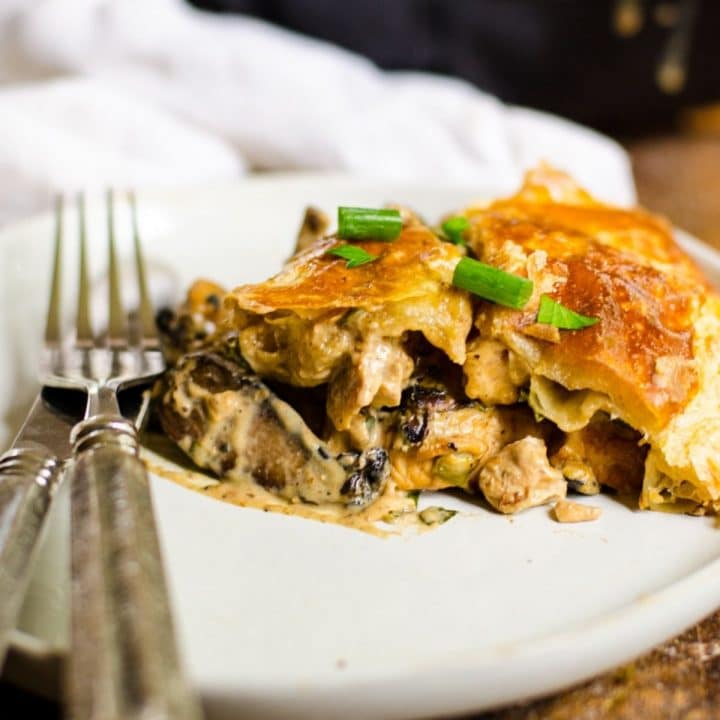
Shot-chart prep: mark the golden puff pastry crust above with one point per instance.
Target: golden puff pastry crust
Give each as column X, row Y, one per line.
column 407, row 288
column 652, row 358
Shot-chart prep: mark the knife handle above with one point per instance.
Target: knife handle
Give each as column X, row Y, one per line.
column 124, row 664
column 28, row 478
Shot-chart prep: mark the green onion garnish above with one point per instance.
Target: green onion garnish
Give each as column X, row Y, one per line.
column 413, row 495
column 454, row 228
column 553, row 313
column 354, row 255
column 368, row 223
column 436, row 515
column 491, row 283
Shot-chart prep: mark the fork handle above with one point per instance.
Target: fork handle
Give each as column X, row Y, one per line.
column 28, row 477
column 124, row 662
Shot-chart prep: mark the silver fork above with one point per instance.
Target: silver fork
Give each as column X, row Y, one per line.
column 124, row 662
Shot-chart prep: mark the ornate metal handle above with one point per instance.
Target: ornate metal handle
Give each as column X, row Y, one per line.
column 124, row 663
column 28, row 477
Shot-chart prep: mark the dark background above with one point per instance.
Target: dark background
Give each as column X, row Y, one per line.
column 564, row 56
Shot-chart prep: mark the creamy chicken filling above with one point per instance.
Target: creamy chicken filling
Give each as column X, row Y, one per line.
column 391, row 407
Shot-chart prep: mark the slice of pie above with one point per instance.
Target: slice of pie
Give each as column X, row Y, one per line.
column 336, row 383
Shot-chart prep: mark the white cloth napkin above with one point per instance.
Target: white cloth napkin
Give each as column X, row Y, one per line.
column 153, row 92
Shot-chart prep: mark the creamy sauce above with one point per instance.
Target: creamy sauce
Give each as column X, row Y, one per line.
column 393, row 513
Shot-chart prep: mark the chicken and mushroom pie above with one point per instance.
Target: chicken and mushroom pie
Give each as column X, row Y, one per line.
column 584, row 355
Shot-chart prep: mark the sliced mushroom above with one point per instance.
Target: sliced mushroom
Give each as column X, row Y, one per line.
column 419, row 403
column 228, row 421
column 314, row 226
column 194, row 323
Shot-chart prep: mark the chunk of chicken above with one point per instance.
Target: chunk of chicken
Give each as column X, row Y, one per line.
column 571, row 460
column 442, row 442
column 566, row 511
column 375, row 375
column 492, row 372
column 520, row 477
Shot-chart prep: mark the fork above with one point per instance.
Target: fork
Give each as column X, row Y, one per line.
column 124, row 663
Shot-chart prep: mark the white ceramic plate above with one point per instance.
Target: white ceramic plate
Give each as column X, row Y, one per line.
column 285, row 617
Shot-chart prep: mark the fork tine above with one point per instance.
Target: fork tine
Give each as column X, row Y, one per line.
column 146, row 316
column 53, row 329
column 84, row 336
column 117, row 324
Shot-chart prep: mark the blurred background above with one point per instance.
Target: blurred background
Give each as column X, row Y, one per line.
column 621, row 66
column 644, row 71
column 166, row 92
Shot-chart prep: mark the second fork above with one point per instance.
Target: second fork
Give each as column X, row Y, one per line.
column 124, row 662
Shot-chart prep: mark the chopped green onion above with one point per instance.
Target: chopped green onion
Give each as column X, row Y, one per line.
column 436, row 515
column 414, row 495
column 354, row 255
column 368, row 223
column 491, row 283
column 553, row 313
column 454, row 468
column 454, row 228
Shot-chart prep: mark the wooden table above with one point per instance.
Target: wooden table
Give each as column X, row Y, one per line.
column 679, row 176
